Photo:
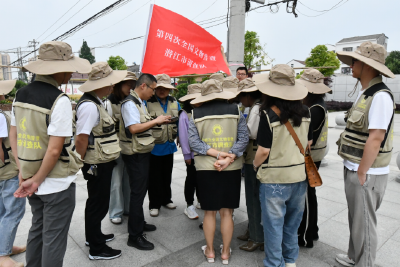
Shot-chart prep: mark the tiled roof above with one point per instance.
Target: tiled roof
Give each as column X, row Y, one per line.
column 361, row 38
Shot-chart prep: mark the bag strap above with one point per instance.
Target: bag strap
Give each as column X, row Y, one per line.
column 290, row 129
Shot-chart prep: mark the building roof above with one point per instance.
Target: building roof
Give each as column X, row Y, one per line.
column 361, row 38
column 300, row 61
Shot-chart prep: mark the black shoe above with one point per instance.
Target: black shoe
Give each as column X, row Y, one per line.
column 149, row 227
column 108, row 238
column 201, row 226
column 141, row 243
column 105, row 254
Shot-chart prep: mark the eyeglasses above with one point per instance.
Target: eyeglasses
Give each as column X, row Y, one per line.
column 154, row 89
column 241, row 74
column 354, row 61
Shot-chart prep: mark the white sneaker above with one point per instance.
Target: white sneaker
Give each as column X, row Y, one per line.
column 191, row 213
column 344, row 260
column 290, row 264
column 198, row 206
column 116, row 220
column 171, row 206
column 154, row 212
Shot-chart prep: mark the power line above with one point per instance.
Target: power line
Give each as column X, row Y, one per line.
column 118, row 43
column 205, row 9
column 324, row 12
column 215, row 25
column 321, row 10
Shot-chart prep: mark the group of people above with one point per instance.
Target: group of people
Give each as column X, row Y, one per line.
column 122, row 136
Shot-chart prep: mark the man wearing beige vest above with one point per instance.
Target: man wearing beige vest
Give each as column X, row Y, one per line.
column 40, row 136
column 366, row 147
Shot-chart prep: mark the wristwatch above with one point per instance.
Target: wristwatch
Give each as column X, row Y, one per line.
column 255, row 167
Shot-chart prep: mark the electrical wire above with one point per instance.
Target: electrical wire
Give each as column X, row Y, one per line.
column 205, row 9
column 118, row 43
column 215, row 25
column 209, row 19
column 324, row 12
column 320, row 10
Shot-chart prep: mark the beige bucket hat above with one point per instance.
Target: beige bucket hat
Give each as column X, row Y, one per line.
column 7, row 86
column 217, row 76
column 163, row 80
column 194, row 91
column 314, row 81
column 55, row 57
column 373, row 55
column 130, row 76
column 230, row 84
column 102, row 75
column 212, row 89
column 246, row 86
column 280, row 83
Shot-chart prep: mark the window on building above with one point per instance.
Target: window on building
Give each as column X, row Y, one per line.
column 348, row 49
column 258, row 67
column 292, row 65
column 346, row 70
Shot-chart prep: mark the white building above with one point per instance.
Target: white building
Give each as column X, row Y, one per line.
column 294, row 63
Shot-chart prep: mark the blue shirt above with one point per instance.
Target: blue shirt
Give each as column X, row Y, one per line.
column 168, row 147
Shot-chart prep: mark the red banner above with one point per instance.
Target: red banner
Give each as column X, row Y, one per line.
column 177, row 46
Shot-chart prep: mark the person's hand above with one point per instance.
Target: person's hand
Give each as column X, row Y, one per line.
column 163, row 119
column 232, row 156
column 20, row 179
column 222, row 164
column 177, row 142
column 362, row 178
column 27, row 188
column 188, row 161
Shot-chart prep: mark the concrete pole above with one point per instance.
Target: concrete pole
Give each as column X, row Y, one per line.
column 236, row 34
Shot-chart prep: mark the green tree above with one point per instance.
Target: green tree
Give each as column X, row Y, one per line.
column 321, row 57
column 393, row 62
column 117, row 63
column 86, row 54
column 254, row 53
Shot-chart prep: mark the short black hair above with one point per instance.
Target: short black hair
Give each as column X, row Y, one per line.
column 145, row 78
column 243, row 68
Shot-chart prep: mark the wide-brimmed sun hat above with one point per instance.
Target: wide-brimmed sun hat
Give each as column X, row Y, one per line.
column 231, row 84
column 246, row 86
column 314, row 81
column 7, row 86
column 280, row 83
column 55, row 57
column 217, row 76
column 212, row 89
column 130, row 76
column 163, row 80
column 373, row 55
column 194, row 91
column 102, row 75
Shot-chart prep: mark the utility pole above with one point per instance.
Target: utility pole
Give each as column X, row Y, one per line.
column 19, row 63
column 236, row 34
column 33, row 44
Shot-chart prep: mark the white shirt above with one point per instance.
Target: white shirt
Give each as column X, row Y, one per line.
column 3, row 126
column 130, row 113
column 108, row 106
column 379, row 116
column 88, row 117
column 253, row 122
column 60, row 125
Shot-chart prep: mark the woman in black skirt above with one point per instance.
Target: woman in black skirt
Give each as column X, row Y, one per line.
column 218, row 135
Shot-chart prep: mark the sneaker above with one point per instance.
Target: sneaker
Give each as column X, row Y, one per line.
column 116, row 220
column 7, row 261
column 140, row 242
column 170, row 206
column 106, row 254
column 198, row 206
column 191, row 213
column 344, row 260
column 108, row 238
column 149, row 227
column 154, row 212
column 290, row 264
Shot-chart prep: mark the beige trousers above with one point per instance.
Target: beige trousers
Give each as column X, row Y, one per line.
column 363, row 201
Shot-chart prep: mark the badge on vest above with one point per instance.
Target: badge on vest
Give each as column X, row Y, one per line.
column 174, row 105
column 217, row 130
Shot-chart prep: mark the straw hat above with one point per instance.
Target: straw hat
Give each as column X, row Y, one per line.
column 7, row 86
column 217, row 76
column 280, row 83
column 230, row 83
column 55, row 57
column 102, row 75
column 373, row 55
column 314, row 81
column 194, row 91
column 246, row 86
column 130, row 76
column 163, row 80
column 212, row 89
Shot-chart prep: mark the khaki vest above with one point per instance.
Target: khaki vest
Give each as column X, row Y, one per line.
column 116, row 111
column 218, row 131
column 318, row 149
column 285, row 162
column 33, row 107
column 103, row 144
column 138, row 143
column 352, row 141
column 165, row 132
column 8, row 168
column 252, row 146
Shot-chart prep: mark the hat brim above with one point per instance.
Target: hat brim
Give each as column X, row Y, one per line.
column 189, row 97
column 315, row 88
column 7, row 86
column 286, row 92
column 113, row 78
column 48, row 67
column 346, row 58
column 222, row 95
column 167, row 86
column 247, row 90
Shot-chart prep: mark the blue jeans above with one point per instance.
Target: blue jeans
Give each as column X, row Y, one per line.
column 282, row 208
column 120, row 191
column 11, row 212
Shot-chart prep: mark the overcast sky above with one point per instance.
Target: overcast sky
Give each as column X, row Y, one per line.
column 285, row 36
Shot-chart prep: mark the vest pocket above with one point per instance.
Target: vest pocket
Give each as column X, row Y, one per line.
column 173, row 129
column 357, row 119
column 75, row 162
column 157, row 133
column 109, row 149
column 143, row 143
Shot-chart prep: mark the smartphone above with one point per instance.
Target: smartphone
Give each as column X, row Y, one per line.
column 173, row 119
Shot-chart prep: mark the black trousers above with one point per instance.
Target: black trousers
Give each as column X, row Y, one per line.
column 160, row 180
column 308, row 230
column 190, row 183
column 97, row 203
column 137, row 166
